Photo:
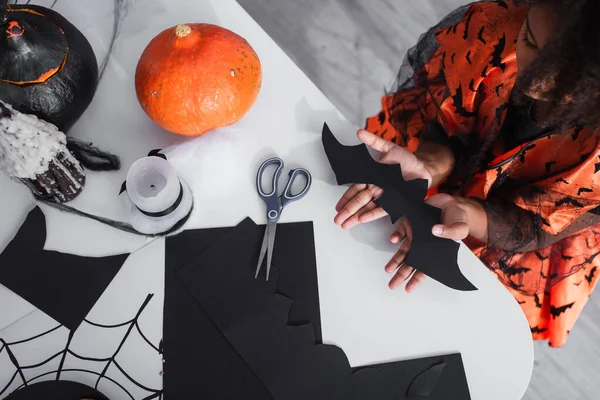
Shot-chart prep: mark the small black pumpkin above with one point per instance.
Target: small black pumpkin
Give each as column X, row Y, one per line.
column 47, row 66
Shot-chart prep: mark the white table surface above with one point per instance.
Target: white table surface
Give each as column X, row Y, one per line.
column 359, row 313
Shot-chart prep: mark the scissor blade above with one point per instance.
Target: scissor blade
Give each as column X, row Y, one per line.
column 263, row 250
column 272, row 230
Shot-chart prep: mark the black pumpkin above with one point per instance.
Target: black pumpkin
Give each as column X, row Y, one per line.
column 47, row 66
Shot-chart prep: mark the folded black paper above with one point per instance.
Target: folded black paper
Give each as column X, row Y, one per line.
column 64, row 286
column 199, row 359
column 354, row 164
column 287, row 360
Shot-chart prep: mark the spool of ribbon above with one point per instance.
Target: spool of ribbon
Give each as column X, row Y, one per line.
column 158, row 200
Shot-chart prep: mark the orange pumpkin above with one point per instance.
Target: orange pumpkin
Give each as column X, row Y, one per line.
column 194, row 78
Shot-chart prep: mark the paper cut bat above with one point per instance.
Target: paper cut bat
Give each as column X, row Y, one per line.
column 556, row 311
column 435, row 257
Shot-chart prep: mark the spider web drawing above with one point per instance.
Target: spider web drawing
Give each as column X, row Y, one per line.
column 131, row 325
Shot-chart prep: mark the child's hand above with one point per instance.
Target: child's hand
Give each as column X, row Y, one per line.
column 460, row 217
column 357, row 205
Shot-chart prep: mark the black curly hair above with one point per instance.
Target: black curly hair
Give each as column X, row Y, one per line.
column 571, row 59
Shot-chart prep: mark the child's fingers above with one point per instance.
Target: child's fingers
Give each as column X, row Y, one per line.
column 401, row 275
column 371, row 213
column 350, row 193
column 375, row 142
column 398, row 258
column 416, row 280
column 353, row 206
column 456, row 231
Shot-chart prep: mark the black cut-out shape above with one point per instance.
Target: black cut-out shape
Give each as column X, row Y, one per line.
column 64, row 286
column 557, row 311
column 65, row 390
column 363, row 379
column 193, row 345
column 425, row 382
column 354, row 164
column 502, row 4
column 286, row 359
column 562, row 180
column 584, row 190
column 591, row 275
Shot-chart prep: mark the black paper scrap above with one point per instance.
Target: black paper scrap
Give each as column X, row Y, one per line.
column 425, row 382
column 354, row 164
column 57, row 390
column 194, row 347
column 362, row 382
column 405, row 376
column 64, row 286
column 286, row 360
column 199, row 362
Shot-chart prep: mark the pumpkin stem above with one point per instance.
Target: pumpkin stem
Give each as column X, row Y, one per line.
column 182, row 30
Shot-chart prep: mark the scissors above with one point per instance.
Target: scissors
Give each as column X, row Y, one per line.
column 276, row 204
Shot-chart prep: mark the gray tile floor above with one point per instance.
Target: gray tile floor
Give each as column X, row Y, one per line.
column 351, row 49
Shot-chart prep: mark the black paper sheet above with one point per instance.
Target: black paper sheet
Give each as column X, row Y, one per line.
column 354, row 164
column 263, row 332
column 57, row 390
column 199, row 359
column 64, row 286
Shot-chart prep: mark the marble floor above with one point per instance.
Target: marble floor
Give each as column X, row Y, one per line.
column 351, row 49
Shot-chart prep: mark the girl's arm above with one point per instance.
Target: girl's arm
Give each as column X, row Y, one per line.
column 506, row 226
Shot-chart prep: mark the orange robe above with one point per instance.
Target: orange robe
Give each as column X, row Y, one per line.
column 464, row 84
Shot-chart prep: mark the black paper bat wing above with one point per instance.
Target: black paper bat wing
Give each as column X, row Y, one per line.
column 354, row 164
column 435, row 257
column 64, row 286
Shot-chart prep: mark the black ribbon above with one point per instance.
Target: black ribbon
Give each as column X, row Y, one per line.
column 168, row 210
